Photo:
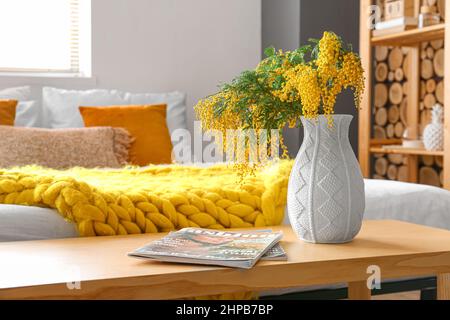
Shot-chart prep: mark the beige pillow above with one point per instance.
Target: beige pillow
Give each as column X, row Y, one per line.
column 64, row 148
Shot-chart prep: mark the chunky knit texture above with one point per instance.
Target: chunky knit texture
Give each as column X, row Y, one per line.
column 153, row 199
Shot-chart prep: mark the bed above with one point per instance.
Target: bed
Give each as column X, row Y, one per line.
column 409, row 202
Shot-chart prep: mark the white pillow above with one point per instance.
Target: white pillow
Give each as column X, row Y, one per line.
column 17, row 93
column 176, row 106
column 61, row 106
column 28, row 113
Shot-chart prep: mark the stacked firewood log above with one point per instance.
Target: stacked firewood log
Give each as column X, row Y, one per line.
column 431, row 92
column 390, row 109
column 390, row 105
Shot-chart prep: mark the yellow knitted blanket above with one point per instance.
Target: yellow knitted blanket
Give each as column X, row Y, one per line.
column 154, row 199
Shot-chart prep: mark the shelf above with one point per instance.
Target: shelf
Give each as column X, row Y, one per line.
column 411, row 37
column 406, row 151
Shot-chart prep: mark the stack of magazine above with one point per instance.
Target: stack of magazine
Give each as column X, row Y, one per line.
column 215, row 247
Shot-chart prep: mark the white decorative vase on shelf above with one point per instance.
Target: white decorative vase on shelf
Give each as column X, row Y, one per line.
column 326, row 199
column 433, row 135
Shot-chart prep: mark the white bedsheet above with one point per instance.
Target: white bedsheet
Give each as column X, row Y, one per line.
column 384, row 200
column 408, row 202
column 19, row 223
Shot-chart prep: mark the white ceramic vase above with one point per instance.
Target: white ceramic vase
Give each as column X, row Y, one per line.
column 326, row 198
column 433, row 135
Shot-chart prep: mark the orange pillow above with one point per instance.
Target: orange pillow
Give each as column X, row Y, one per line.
column 7, row 112
column 147, row 125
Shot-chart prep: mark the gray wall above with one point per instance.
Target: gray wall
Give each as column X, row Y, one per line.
column 342, row 17
column 288, row 23
column 281, row 29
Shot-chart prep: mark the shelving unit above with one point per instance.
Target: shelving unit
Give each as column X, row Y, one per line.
column 411, row 39
column 406, row 151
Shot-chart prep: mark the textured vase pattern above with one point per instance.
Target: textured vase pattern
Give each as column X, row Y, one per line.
column 326, row 198
column 433, row 135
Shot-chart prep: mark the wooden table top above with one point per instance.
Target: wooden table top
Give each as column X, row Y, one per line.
column 41, row 269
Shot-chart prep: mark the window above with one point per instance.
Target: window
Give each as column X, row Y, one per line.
column 41, row 36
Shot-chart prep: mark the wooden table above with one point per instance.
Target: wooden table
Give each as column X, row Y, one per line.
column 41, row 269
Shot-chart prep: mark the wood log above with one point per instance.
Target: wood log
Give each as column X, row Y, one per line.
column 404, row 112
column 395, row 59
column 381, row 95
column 421, row 105
column 431, row 2
column 427, row 70
column 441, row 178
column 381, row 72
column 440, row 92
column 430, row 53
column 405, row 86
column 381, row 117
column 392, row 172
column 429, row 176
column 405, row 161
column 438, row 63
column 381, row 166
column 395, row 158
column 379, row 132
column 427, row 160
column 391, row 76
column 381, row 53
column 431, row 85
column 437, row 44
column 429, row 101
column 423, row 89
column 405, row 50
column 402, row 174
column 399, row 129
column 378, row 177
column 425, row 117
column 399, row 75
column 396, row 93
column 424, row 45
column 439, row 161
column 378, row 155
column 390, row 131
column 423, row 54
column 393, row 114
column 405, row 66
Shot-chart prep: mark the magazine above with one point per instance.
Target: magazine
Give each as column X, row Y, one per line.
column 212, row 247
column 276, row 253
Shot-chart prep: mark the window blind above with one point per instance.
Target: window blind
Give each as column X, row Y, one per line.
column 40, row 36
